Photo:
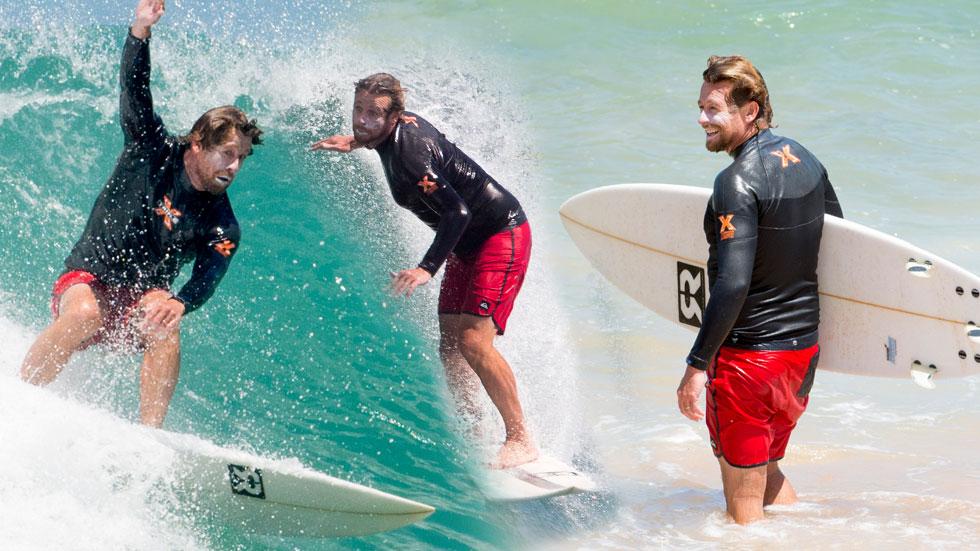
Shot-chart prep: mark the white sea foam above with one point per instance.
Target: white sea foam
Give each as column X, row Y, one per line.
column 75, row 477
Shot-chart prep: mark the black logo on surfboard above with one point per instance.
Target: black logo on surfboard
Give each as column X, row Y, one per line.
column 690, row 294
column 246, row 481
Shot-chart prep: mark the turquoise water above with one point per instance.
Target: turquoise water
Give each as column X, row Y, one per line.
column 302, row 354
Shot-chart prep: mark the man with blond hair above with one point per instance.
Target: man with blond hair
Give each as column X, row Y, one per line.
column 757, row 349
column 164, row 206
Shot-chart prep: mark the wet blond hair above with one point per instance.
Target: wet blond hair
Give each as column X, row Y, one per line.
column 216, row 125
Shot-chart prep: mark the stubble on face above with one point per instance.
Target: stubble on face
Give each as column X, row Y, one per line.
column 724, row 124
column 370, row 119
column 214, row 169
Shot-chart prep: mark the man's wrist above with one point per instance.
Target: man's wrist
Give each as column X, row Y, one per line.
column 696, row 362
column 139, row 32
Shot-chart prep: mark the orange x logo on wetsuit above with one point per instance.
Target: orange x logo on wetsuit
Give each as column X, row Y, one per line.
column 727, row 228
column 427, row 185
column 170, row 215
column 786, row 155
column 224, row 247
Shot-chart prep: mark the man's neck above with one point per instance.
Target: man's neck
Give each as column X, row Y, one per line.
column 735, row 150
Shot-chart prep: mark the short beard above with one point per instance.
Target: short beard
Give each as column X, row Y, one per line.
column 714, row 148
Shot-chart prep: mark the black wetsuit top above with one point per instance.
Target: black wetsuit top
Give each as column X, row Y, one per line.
column 444, row 188
column 149, row 221
column 763, row 223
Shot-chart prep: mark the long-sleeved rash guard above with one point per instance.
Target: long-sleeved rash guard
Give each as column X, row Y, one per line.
column 447, row 190
column 763, row 224
column 149, row 221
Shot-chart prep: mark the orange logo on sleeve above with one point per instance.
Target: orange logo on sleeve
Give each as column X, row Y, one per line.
column 786, row 155
column 408, row 119
column 428, row 186
column 727, row 228
column 224, row 247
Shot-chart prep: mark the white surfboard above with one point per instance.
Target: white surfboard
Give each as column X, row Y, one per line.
column 542, row 478
column 887, row 308
column 281, row 497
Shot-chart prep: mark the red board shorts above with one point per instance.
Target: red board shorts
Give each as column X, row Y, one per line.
column 486, row 283
column 754, row 399
column 117, row 304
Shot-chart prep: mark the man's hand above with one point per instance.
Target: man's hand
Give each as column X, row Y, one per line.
column 689, row 392
column 162, row 314
column 338, row 143
column 148, row 12
column 406, row 281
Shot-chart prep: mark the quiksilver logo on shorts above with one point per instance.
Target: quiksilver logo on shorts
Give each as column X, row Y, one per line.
column 484, row 305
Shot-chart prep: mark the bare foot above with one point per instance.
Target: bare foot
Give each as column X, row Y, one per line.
column 514, row 453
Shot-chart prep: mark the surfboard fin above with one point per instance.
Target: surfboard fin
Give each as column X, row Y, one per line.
column 922, row 374
column 919, row 268
column 973, row 332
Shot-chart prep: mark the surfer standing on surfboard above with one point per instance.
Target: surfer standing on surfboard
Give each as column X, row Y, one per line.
column 164, row 206
column 482, row 235
column 757, row 348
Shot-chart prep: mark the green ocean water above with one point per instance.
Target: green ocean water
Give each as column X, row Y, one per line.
column 301, row 353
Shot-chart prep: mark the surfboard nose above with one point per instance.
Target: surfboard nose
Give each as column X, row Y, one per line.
column 280, row 496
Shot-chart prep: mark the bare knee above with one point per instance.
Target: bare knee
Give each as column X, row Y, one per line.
column 745, row 503
column 773, row 474
column 83, row 316
column 473, row 343
column 744, row 491
column 745, row 511
column 163, row 336
column 779, row 491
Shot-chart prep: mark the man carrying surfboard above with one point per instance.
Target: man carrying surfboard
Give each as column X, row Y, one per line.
column 757, row 347
column 164, row 206
column 482, row 235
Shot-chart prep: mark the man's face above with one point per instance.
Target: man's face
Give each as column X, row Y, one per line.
column 725, row 125
column 371, row 120
column 215, row 168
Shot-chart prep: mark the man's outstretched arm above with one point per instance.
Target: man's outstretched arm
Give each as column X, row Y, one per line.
column 140, row 124
column 345, row 143
column 340, row 143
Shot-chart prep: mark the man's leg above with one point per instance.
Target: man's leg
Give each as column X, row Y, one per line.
column 462, row 380
column 161, row 366
column 744, row 491
column 778, row 489
column 476, row 336
column 79, row 318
